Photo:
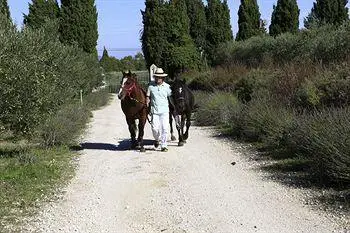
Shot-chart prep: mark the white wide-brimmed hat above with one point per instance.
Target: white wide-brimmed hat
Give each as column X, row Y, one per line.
column 159, row 73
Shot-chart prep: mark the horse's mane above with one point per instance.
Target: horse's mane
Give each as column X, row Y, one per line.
column 143, row 90
column 138, row 84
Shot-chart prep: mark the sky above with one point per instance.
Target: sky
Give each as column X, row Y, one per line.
column 120, row 21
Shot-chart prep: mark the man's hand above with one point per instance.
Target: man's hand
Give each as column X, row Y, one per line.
column 147, row 101
column 171, row 101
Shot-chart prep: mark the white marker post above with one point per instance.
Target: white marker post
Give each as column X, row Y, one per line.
column 152, row 69
column 81, row 97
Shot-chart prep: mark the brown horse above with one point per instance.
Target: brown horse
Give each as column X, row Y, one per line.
column 133, row 102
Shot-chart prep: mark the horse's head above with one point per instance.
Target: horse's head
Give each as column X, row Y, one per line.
column 178, row 89
column 127, row 84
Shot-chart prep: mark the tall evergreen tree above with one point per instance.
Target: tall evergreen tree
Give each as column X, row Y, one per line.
column 180, row 51
column 106, row 62
column 4, row 9
column 218, row 26
column 285, row 17
column 198, row 22
column 40, row 11
column 79, row 24
column 327, row 11
column 311, row 21
column 249, row 22
column 5, row 16
column 153, row 38
column 226, row 22
column 139, row 61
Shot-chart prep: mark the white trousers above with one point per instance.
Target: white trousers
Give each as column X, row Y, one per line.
column 160, row 128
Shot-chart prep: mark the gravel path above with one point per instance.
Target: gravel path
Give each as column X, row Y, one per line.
column 188, row 189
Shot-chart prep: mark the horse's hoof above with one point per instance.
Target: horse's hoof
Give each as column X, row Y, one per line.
column 185, row 141
column 142, row 149
column 180, row 144
column 173, row 138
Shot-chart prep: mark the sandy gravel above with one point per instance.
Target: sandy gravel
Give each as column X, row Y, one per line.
column 190, row 189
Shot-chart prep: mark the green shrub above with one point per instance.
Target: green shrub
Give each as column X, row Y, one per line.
column 202, row 82
column 97, row 99
column 323, row 136
column 64, row 127
column 331, row 43
column 326, row 44
column 215, row 108
column 307, row 95
column 267, row 121
column 334, row 86
column 10, row 149
column 220, row 78
column 251, row 52
column 286, row 48
column 38, row 74
column 252, row 82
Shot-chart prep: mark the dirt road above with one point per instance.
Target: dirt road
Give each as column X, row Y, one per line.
column 189, row 189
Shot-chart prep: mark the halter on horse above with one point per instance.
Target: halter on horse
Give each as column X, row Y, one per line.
column 183, row 100
column 133, row 103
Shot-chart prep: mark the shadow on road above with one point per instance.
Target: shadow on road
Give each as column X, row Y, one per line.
column 122, row 145
column 98, row 146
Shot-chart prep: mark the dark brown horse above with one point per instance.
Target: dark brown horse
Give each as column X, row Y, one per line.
column 181, row 109
column 133, row 102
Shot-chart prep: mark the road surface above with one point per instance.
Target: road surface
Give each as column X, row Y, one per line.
column 190, row 189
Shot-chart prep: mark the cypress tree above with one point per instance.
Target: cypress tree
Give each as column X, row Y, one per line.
column 218, row 26
column 198, row 22
column 327, row 11
column 139, row 61
column 40, row 11
column 4, row 9
column 180, row 52
column 104, row 61
column 79, row 24
column 285, row 17
column 249, row 22
column 109, row 63
column 5, row 16
column 153, row 34
column 311, row 21
column 226, row 24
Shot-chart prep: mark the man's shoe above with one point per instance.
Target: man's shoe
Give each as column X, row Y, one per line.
column 156, row 144
column 164, row 149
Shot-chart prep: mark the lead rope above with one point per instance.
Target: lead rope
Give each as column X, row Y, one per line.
column 136, row 100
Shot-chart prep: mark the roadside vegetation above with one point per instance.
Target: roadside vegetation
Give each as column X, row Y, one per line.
column 42, row 83
column 284, row 89
column 289, row 96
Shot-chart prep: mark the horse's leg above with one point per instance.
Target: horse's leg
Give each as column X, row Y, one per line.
column 173, row 138
column 142, row 123
column 182, row 127
column 188, row 124
column 132, row 130
column 179, row 129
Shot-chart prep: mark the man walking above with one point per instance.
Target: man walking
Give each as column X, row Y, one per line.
column 157, row 95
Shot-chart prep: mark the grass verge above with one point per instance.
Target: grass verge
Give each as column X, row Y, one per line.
column 33, row 170
column 29, row 177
